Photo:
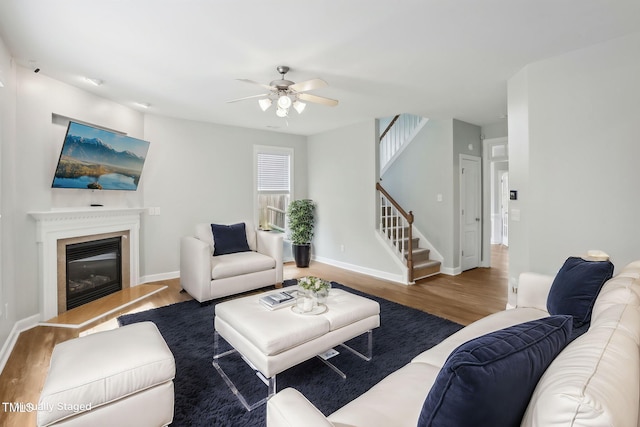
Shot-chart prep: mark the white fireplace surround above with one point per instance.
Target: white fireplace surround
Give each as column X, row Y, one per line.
column 59, row 224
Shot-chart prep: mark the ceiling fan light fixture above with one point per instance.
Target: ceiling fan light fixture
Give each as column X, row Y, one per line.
column 284, row 102
column 299, row 106
column 264, row 103
column 286, row 94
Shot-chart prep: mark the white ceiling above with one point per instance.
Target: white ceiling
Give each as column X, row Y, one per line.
column 435, row 58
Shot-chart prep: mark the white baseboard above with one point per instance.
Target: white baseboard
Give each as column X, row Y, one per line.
column 158, row 277
column 18, row 327
column 398, row 278
column 450, row 271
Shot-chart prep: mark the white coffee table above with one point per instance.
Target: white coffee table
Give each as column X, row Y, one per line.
column 273, row 341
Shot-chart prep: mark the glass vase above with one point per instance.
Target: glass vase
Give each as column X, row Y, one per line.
column 321, row 296
column 306, row 301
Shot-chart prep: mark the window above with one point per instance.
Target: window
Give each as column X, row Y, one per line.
column 273, row 186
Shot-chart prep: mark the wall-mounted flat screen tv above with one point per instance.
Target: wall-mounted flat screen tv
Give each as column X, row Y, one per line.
column 98, row 159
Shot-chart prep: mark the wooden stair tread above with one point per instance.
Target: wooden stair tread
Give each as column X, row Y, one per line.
column 420, row 251
column 428, row 268
column 427, row 263
column 422, row 265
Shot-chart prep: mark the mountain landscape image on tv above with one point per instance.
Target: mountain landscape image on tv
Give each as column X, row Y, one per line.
column 97, row 159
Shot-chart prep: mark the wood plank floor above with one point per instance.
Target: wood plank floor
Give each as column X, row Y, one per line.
column 462, row 299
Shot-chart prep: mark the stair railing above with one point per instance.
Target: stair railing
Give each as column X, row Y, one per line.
column 397, row 225
column 397, row 133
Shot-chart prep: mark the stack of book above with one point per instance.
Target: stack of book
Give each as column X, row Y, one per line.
column 277, row 300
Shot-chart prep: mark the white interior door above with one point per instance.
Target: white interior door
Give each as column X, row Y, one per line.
column 470, row 211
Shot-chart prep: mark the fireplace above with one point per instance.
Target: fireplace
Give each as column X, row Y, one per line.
column 93, row 270
column 91, row 267
column 60, row 227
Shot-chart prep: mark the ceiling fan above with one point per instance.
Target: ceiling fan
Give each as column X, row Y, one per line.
column 288, row 94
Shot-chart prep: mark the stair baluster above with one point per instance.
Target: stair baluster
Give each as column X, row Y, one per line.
column 397, row 225
column 397, row 134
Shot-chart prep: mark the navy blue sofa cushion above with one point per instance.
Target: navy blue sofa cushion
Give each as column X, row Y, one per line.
column 229, row 239
column 576, row 287
column 488, row 381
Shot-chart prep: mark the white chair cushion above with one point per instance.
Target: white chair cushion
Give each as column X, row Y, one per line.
column 239, row 263
column 104, row 367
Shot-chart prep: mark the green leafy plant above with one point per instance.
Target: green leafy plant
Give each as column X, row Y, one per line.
column 314, row 284
column 301, row 221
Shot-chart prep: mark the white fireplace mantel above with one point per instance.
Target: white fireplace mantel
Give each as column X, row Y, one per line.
column 57, row 224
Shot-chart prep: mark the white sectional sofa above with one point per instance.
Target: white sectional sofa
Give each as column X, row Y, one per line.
column 594, row 381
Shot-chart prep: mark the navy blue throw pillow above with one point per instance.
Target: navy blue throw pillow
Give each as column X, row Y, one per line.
column 229, row 239
column 576, row 287
column 489, row 380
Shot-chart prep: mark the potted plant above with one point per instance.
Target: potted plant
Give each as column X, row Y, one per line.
column 301, row 222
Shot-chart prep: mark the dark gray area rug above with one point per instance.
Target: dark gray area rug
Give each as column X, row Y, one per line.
column 203, row 399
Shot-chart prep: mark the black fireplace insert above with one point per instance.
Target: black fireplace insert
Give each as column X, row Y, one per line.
column 94, row 270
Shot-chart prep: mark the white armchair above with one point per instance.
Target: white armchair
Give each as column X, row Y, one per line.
column 206, row 276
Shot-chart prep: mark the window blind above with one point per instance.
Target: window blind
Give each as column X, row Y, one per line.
column 273, row 172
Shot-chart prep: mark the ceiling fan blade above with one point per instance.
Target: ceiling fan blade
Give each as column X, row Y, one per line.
column 256, row 83
column 318, row 99
column 249, row 97
column 308, row 85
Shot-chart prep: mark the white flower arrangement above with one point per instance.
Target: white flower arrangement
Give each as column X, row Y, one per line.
column 314, row 284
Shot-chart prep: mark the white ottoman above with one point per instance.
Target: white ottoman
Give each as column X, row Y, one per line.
column 122, row 377
column 273, row 341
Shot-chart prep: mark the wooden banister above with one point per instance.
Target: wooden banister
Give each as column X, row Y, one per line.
column 408, row 216
column 389, row 127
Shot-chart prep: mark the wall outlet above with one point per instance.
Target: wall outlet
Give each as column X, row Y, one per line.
column 341, row 248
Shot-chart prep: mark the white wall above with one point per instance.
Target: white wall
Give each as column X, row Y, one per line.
column 495, row 130
column 573, row 151
column 342, row 178
column 201, row 172
column 34, row 152
column 7, row 193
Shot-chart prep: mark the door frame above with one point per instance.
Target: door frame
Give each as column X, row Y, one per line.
column 493, row 150
column 504, row 207
column 478, row 189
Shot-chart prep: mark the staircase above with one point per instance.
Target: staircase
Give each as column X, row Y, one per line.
column 396, row 225
column 395, row 138
column 422, row 265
